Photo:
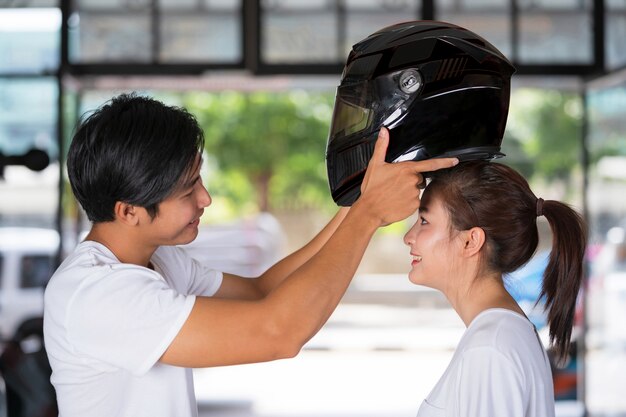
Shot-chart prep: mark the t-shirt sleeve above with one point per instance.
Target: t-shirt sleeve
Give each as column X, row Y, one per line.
column 488, row 385
column 188, row 275
column 204, row 281
column 126, row 317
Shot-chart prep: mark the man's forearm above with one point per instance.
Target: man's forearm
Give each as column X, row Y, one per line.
column 316, row 287
column 282, row 269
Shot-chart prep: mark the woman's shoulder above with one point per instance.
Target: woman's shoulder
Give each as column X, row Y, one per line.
column 502, row 330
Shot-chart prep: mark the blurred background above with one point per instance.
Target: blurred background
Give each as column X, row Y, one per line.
column 260, row 77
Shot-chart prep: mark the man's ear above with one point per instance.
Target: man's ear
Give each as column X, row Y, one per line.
column 474, row 240
column 126, row 213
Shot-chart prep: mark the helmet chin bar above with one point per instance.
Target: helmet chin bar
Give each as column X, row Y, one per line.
column 440, row 89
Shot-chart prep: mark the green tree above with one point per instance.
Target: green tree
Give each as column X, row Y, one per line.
column 277, row 140
column 548, row 126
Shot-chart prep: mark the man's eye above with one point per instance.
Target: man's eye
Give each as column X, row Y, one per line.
column 423, row 221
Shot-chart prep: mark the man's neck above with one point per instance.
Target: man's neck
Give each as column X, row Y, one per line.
column 123, row 241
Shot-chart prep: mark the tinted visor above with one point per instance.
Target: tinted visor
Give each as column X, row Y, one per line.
column 369, row 105
column 353, row 110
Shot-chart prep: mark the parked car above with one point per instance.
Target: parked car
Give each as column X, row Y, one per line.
column 525, row 287
column 27, row 261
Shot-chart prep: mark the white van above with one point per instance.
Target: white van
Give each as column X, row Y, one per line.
column 27, row 261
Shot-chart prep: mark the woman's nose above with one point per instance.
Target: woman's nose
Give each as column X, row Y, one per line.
column 408, row 238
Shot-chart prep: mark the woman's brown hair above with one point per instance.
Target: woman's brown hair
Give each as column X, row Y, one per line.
column 499, row 200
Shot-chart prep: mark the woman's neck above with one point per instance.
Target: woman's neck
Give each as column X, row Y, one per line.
column 480, row 294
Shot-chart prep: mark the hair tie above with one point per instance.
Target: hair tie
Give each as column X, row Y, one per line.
column 539, row 207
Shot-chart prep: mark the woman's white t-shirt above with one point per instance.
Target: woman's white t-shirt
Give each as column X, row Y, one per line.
column 499, row 369
column 106, row 324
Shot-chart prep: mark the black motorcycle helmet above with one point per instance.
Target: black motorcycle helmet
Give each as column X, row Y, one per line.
column 440, row 89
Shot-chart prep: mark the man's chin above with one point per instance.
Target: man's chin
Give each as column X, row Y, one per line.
column 185, row 238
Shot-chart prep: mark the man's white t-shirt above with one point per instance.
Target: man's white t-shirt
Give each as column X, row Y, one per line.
column 499, row 369
column 106, row 324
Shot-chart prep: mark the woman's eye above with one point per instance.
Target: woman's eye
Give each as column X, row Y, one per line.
column 423, row 221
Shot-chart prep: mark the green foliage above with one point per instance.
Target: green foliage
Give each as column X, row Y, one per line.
column 607, row 135
column 544, row 133
column 276, row 140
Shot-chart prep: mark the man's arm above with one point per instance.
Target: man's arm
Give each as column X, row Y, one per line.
column 235, row 287
column 225, row 332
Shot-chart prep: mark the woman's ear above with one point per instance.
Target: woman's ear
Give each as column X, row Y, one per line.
column 126, row 213
column 474, row 240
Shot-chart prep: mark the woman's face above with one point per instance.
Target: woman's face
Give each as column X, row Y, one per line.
column 432, row 246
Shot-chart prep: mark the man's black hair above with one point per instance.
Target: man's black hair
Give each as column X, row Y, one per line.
column 133, row 149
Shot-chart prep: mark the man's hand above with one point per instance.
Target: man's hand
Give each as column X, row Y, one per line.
column 391, row 192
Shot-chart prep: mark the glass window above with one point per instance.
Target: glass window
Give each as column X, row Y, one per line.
column 1, row 270
column 552, row 4
column 188, row 31
column 29, row 40
column 36, row 270
column 488, row 18
column 33, row 3
column 607, row 148
column 106, row 36
column 606, row 299
column 28, row 112
column 298, row 31
column 109, row 31
column 556, row 33
column 470, row 4
column 615, row 21
column 111, row 4
column 206, row 37
column 192, row 31
column 231, row 5
column 178, row 4
column 364, row 17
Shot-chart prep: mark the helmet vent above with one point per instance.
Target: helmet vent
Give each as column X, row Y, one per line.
column 451, row 68
column 350, row 163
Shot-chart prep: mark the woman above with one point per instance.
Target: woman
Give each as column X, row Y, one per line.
column 477, row 221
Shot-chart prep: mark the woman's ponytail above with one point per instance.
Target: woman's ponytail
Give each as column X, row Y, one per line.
column 563, row 275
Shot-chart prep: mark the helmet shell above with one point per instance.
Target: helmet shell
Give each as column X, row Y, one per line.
column 440, row 89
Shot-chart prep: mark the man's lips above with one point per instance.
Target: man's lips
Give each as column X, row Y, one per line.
column 196, row 221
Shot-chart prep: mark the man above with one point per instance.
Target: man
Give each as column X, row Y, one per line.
column 128, row 313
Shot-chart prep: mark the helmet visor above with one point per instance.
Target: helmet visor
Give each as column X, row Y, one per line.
column 353, row 112
column 369, row 105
